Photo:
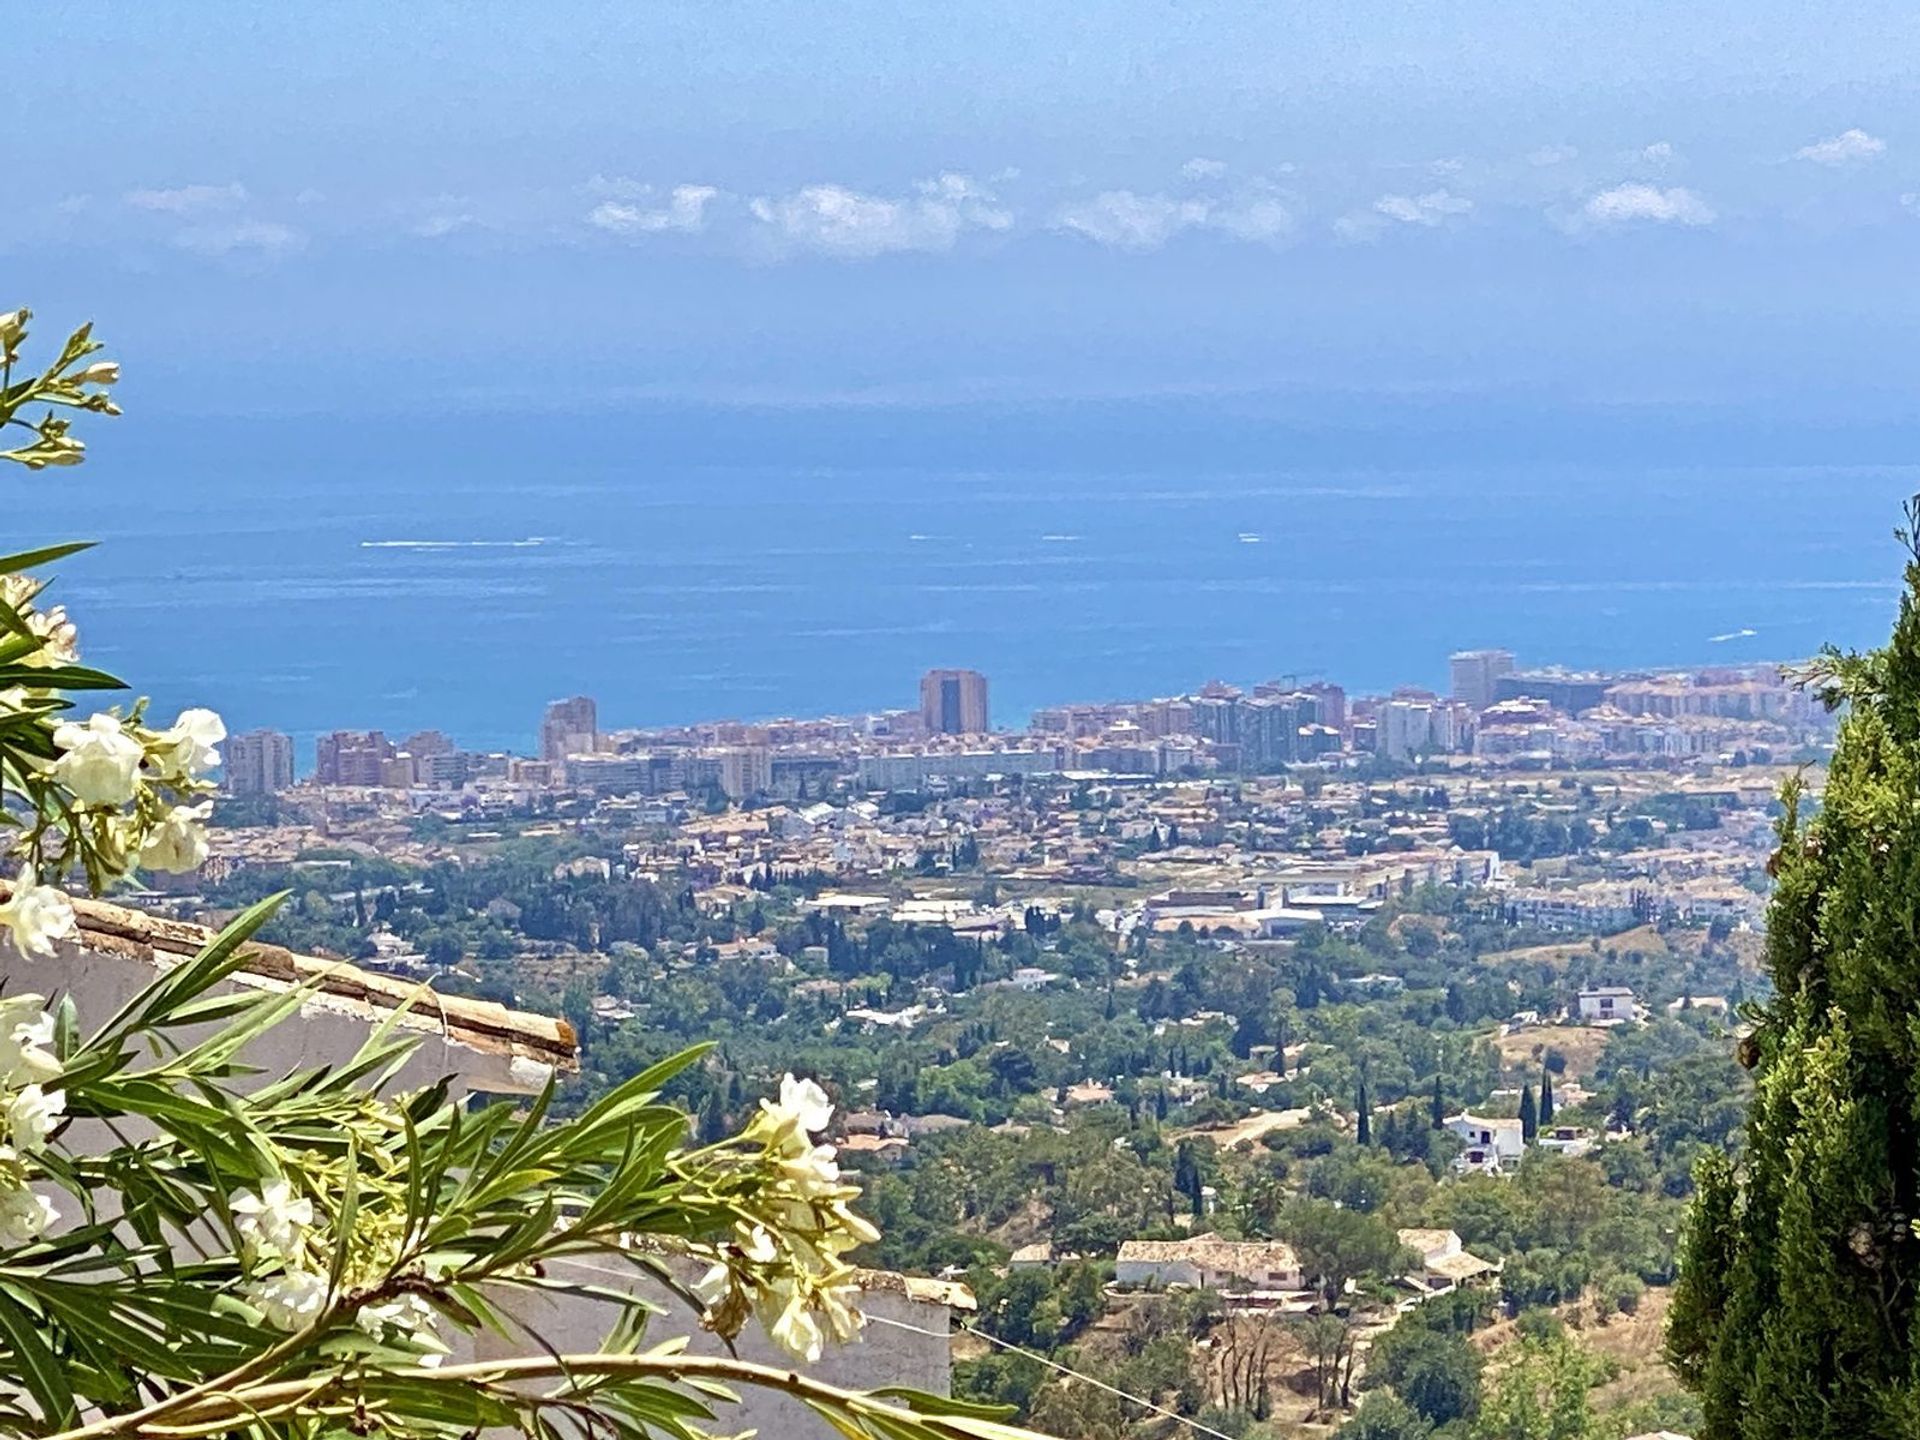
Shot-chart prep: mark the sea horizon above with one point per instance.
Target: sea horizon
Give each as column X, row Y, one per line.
column 681, row 566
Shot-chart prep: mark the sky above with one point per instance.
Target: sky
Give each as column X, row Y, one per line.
column 1326, row 209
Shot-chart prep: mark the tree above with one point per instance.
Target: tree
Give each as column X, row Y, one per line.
column 1384, row 1416
column 1541, row 1394
column 1796, row 1309
column 1546, row 1096
column 1363, row 1123
column 1437, row 1373
column 1335, row 1245
column 1529, row 1119
column 193, row 1248
column 1439, row 1103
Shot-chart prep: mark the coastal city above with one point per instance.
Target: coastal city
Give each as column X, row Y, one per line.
column 1266, row 808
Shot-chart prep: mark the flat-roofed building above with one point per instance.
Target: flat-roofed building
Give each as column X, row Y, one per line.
column 954, row 702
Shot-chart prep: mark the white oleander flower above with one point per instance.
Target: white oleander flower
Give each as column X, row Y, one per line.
column 814, row 1174
column 26, row 1041
column 178, row 843
column 31, row 1115
column 59, row 638
column 36, row 915
column 841, row 1305
column 291, row 1301
column 792, row 1326
column 272, row 1217
column 101, row 372
column 185, row 750
column 713, row 1287
column 24, row 1215
column 409, row 1313
column 801, row 1111
column 101, row 763
column 756, row 1245
column 857, row 1228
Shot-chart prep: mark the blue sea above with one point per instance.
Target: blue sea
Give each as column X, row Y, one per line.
column 682, row 563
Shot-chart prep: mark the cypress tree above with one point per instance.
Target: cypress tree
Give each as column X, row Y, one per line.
column 1546, row 1096
column 1439, row 1104
column 1795, row 1314
column 1364, row 1128
column 1529, row 1120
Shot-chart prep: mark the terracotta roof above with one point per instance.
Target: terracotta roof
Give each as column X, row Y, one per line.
column 1463, row 1266
column 1243, row 1258
column 481, row 1024
column 917, row 1288
column 1430, row 1242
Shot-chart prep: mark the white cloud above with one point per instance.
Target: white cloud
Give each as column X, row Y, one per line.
column 1658, row 153
column 1127, row 220
column 1200, row 168
column 188, row 199
column 1625, row 204
column 439, row 226
column 1849, row 147
column 837, row 221
column 255, row 237
column 1433, row 208
column 1552, row 155
column 685, row 210
column 1259, row 218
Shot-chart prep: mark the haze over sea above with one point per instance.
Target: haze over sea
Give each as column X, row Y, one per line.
column 685, row 562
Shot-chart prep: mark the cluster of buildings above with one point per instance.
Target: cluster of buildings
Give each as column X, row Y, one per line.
column 1495, row 715
column 1242, row 814
column 1268, row 1275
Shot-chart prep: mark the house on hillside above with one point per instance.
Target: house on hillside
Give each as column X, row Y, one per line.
column 1445, row 1265
column 1233, row 1267
column 1608, row 1005
column 1493, row 1146
column 482, row 1048
column 1572, row 1140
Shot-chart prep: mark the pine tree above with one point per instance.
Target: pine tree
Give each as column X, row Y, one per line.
column 1529, row 1120
column 1546, row 1096
column 1364, row 1129
column 1796, row 1312
column 713, row 1116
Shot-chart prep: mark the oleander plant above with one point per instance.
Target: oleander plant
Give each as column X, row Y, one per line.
column 190, row 1247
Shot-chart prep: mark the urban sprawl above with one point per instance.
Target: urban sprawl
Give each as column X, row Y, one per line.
column 1250, row 812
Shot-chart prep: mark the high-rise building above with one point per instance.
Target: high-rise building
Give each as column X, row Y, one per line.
column 1333, row 703
column 570, row 727
column 351, row 757
column 423, row 743
column 1404, row 729
column 1475, row 672
column 954, row 702
column 259, row 762
column 1269, row 728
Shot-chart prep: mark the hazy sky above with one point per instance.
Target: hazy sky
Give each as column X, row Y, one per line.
column 567, row 204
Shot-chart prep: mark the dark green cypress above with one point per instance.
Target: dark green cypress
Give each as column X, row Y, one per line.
column 1546, row 1096
column 1795, row 1313
column 1529, row 1118
column 1363, row 1131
